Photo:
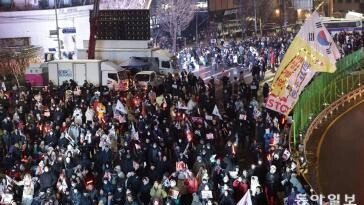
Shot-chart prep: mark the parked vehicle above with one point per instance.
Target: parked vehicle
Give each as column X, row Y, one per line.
column 144, row 79
column 37, row 75
column 97, row 72
column 160, row 62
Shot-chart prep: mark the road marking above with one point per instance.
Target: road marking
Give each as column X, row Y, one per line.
column 200, row 69
column 208, row 71
column 219, row 73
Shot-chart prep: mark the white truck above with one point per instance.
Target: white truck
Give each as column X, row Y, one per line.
column 133, row 55
column 98, row 72
column 144, row 79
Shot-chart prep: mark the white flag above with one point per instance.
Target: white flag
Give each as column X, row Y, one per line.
column 3, row 87
column 216, row 112
column 134, row 134
column 246, row 200
column 120, row 107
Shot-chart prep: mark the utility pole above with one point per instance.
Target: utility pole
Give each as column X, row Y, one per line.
column 239, row 16
column 196, row 14
column 57, row 28
column 255, row 17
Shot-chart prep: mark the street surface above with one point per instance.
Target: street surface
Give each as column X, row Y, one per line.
column 341, row 162
column 206, row 72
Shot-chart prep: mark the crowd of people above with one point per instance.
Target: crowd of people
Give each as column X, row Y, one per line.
column 188, row 142
column 255, row 54
column 349, row 42
column 179, row 145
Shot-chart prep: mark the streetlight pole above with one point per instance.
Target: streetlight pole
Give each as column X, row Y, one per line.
column 285, row 17
column 255, row 17
column 57, row 28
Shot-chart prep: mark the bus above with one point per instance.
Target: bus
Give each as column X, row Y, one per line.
column 335, row 25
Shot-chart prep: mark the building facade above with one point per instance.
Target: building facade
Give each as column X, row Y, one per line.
column 343, row 6
column 40, row 27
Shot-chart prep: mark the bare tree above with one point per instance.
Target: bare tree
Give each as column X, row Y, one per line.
column 16, row 65
column 175, row 16
column 247, row 9
column 123, row 4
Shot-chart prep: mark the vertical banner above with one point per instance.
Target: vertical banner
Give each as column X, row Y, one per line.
column 312, row 50
column 289, row 85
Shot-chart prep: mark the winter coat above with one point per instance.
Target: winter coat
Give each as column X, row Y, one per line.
column 158, row 192
column 153, row 155
column 89, row 114
column 226, row 200
column 58, row 117
column 132, row 203
column 197, row 166
column 291, row 199
column 196, row 200
column 240, row 188
column 74, row 131
column 294, row 181
column 191, row 185
column 46, row 180
column 76, row 198
column 259, row 199
column 118, row 197
column 272, row 184
column 108, row 188
column 145, row 193
column 85, row 200
column 105, row 156
column 127, row 165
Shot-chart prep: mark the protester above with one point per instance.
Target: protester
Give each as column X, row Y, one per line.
column 190, row 142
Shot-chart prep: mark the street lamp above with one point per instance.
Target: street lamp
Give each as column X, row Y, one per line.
column 199, row 8
column 299, row 15
column 277, row 12
column 57, row 27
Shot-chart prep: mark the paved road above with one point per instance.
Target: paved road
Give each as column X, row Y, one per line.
column 341, row 163
column 206, row 72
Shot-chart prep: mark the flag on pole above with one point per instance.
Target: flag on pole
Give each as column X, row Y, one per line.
column 313, row 43
column 216, row 112
column 311, row 51
column 120, row 108
column 120, row 112
column 246, row 200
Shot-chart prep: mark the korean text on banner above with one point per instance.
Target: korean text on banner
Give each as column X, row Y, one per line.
column 289, row 85
column 312, row 50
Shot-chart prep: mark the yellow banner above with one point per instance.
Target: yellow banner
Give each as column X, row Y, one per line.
column 281, row 82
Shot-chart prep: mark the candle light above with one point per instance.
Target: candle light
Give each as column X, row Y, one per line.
column 233, row 149
column 189, row 136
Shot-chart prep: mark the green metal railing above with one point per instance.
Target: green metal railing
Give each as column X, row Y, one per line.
column 324, row 89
